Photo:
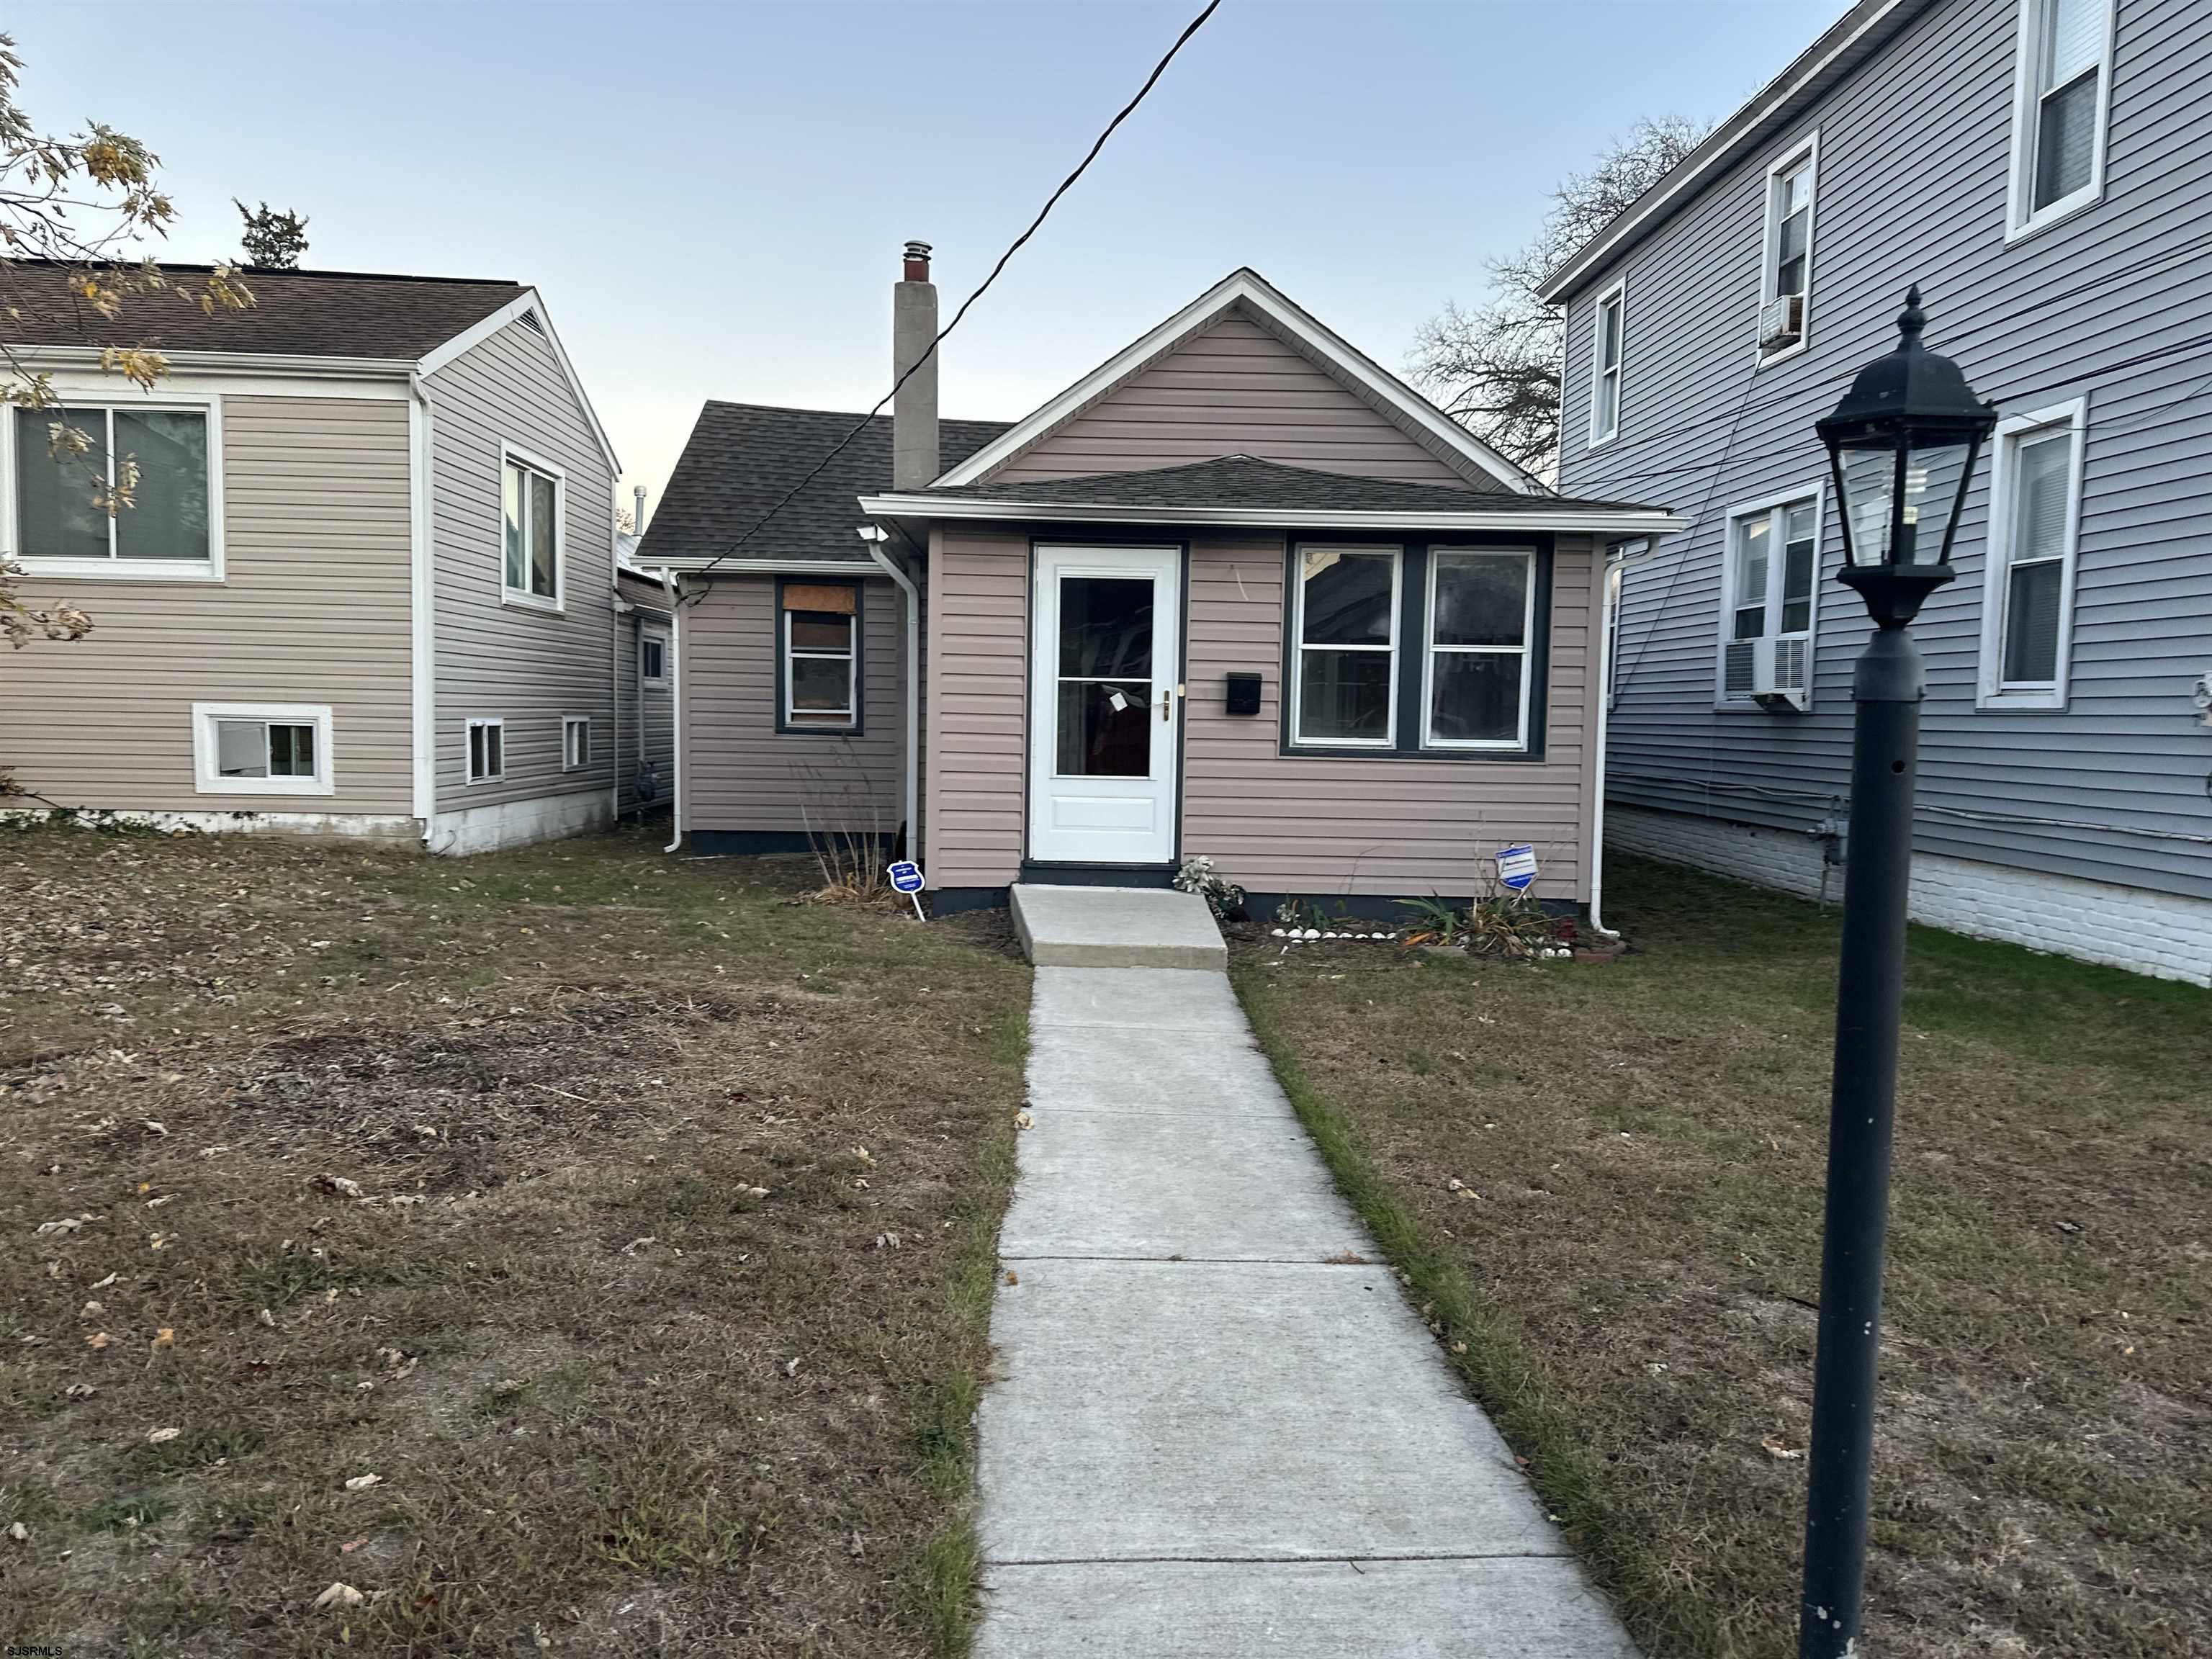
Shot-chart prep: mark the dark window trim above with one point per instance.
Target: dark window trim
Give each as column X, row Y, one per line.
column 1412, row 651
column 778, row 635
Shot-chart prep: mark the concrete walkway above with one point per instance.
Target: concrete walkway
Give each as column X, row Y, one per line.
column 1217, row 1429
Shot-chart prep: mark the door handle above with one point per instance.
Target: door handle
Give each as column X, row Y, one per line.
column 1167, row 704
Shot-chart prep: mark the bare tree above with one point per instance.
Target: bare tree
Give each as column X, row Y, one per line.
column 272, row 241
column 1495, row 367
column 71, row 210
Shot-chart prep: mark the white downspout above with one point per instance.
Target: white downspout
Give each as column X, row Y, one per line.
column 423, row 709
column 1604, row 720
column 874, row 535
column 1615, row 559
column 675, row 706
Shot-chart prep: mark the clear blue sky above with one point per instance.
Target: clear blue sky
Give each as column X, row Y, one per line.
column 712, row 197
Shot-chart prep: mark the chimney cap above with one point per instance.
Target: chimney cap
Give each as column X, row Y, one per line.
column 917, row 262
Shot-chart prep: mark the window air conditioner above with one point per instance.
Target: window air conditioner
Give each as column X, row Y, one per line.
column 1782, row 322
column 1777, row 674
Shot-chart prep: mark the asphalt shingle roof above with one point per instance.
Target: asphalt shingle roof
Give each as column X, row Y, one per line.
column 741, row 457
column 316, row 313
column 1244, row 481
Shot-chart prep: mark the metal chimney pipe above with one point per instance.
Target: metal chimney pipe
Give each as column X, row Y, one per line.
column 637, row 513
column 914, row 409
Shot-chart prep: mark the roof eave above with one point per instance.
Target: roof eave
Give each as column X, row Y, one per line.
column 299, row 364
column 1627, row 521
column 1855, row 35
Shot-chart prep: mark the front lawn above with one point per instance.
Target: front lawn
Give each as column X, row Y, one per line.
column 574, row 1250
column 1606, row 1182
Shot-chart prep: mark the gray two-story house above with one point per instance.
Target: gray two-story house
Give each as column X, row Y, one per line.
column 2042, row 168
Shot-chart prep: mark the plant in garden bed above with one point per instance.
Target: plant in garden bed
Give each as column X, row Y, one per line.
column 1223, row 897
column 1435, row 923
column 1503, row 922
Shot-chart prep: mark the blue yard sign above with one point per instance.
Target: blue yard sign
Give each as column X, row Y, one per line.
column 907, row 878
column 1517, row 866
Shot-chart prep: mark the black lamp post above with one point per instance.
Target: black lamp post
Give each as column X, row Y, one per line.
column 1902, row 444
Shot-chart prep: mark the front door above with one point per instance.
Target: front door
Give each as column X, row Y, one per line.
column 1105, row 712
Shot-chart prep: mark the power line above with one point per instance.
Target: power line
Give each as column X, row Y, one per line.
column 982, row 288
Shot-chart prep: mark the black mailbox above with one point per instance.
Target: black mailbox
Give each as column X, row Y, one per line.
column 1243, row 694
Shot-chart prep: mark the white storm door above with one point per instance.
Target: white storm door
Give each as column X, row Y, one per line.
column 1105, row 716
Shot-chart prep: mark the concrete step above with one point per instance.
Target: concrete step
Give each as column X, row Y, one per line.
column 1116, row 928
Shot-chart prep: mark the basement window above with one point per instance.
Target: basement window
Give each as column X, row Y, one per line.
column 261, row 749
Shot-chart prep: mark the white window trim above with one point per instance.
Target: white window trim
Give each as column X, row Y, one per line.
column 209, row 569
column 1617, row 294
column 653, row 682
column 1299, row 647
column 813, row 719
column 2022, row 219
column 468, row 747
column 208, row 781
column 1806, row 150
column 1990, row 691
column 522, row 597
column 1526, row 649
column 569, row 722
column 1818, row 494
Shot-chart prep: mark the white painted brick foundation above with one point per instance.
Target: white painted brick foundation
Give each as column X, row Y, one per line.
column 2156, row 933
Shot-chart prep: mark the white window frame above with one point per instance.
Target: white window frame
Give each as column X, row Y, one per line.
column 510, row 455
column 1616, row 298
column 469, row 747
column 811, row 719
column 2022, row 218
column 208, row 779
column 2072, row 418
column 1776, row 575
column 653, row 636
column 73, row 396
column 1526, row 650
column 1618, row 558
column 1299, row 647
column 1808, row 151
column 570, row 762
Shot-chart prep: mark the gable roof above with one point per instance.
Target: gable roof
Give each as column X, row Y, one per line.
column 296, row 314
column 1243, row 489
column 740, row 461
column 1854, row 37
column 1246, row 291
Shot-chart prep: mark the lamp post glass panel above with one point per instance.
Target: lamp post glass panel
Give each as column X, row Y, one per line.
column 1902, row 445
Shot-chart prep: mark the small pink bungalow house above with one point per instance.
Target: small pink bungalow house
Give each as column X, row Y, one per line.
column 1238, row 593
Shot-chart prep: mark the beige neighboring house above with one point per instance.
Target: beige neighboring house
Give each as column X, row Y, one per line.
column 369, row 587
column 1238, row 593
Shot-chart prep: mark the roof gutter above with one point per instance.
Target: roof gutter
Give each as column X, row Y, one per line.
column 1604, row 521
column 706, row 563
column 1853, row 37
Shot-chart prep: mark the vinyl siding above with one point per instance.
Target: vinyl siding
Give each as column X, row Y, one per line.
column 1274, row 823
column 978, row 616
column 2110, row 304
column 1277, row 822
column 314, row 608
column 739, row 772
column 527, row 665
column 1231, row 389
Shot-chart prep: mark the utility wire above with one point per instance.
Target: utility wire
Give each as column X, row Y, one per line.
column 1014, row 247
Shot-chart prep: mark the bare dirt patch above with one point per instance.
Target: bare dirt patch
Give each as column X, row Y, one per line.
column 615, row 1213
column 1634, row 1267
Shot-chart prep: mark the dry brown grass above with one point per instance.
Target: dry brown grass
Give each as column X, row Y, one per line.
column 1635, row 1281
column 659, row 1318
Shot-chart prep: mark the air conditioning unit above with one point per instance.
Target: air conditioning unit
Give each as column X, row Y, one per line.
column 1782, row 322
column 1778, row 675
